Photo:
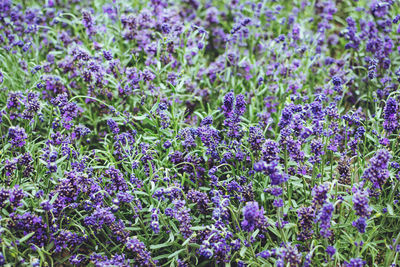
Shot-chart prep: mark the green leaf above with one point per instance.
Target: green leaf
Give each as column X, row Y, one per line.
column 26, row 237
column 243, row 251
column 197, row 228
column 390, row 209
column 176, row 253
column 158, row 246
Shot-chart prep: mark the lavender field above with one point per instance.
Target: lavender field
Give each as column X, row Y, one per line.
column 200, row 133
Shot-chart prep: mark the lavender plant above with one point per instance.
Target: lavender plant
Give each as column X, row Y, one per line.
column 199, row 133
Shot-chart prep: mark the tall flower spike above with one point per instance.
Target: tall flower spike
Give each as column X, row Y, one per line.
column 253, row 217
column 391, row 122
column 227, row 107
column 378, row 172
column 360, row 201
column 355, row 262
column 270, row 151
column 320, row 194
column 256, row 138
column 324, row 217
column 17, row 136
column 306, row 217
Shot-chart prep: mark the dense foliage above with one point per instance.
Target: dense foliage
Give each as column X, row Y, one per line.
column 199, row 133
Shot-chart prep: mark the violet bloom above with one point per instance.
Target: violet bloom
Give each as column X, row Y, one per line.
column 240, row 106
column 256, row 138
column 320, row 194
column 87, row 19
column 101, row 216
column 291, row 255
column 278, row 203
column 188, row 137
column 306, row 217
column 209, row 137
column 155, row 226
column 115, row 181
column 317, row 148
column 287, row 255
column 378, row 172
column 270, row 151
column 28, row 223
column 216, row 243
column 324, row 217
column 286, row 117
column 331, row 251
column 253, row 217
column 107, row 55
column 116, row 260
column 391, row 123
column 17, row 136
column 266, row 254
column 88, row 22
column 141, row 255
column 4, row 195
column 16, row 195
column 360, row 202
column 233, row 110
column 260, row 166
column 200, row 198
column 66, row 239
column 182, row 214
column 360, row 224
column 355, row 262
column 277, row 177
column 10, row 166
column 294, row 149
column 337, row 81
column 167, row 144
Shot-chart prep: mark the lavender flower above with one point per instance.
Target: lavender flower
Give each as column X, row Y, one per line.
column 377, row 172
column 324, row 217
column 253, row 217
column 113, row 126
column 270, row 151
column 256, row 138
column 291, row 255
column 182, row 215
column 107, row 55
column 155, row 177
column 155, row 226
column 319, row 194
column 360, row 201
column 306, row 217
column 141, row 255
column 360, row 224
column 115, row 181
column 216, row 243
column 287, row 114
column 233, row 110
column 17, row 136
column 100, row 217
column 355, row 262
column 27, row 223
column 331, row 251
column 391, row 123
column 344, row 171
column 200, row 198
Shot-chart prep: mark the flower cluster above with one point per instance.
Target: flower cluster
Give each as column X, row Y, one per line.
column 253, row 217
column 377, row 173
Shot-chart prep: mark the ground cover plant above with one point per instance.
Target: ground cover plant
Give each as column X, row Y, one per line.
column 199, row 133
